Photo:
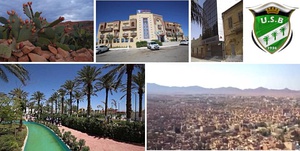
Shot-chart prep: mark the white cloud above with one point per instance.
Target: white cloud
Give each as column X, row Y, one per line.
column 53, row 9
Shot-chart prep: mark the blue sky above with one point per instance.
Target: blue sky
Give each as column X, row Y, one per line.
column 72, row 10
column 243, row 76
column 45, row 78
column 173, row 11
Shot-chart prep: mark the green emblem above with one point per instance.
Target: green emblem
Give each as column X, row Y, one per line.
column 272, row 29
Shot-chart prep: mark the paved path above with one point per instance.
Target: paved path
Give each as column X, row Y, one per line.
column 101, row 144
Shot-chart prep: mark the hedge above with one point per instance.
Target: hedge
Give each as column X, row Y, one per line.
column 132, row 132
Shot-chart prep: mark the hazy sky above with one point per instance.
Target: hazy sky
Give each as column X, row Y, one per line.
column 272, row 76
column 73, row 10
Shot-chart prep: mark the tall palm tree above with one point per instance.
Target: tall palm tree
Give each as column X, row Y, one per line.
column 121, row 70
column 19, row 96
column 38, row 96
column 87, row 75
column 17, row 70
column 55, row 97
column 62, row 93
column 51, row 101
column 106, row 82
column 78, row 96
column 139, row 84
column 197, row 13
column 70, row 86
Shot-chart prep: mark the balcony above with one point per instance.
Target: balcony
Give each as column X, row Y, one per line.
column 116, row 35
column 133, row 34
column 125, row 34
column 169, row 34
column 102, row 36
column 128, row 27
column 106, row 29
column 170, row 27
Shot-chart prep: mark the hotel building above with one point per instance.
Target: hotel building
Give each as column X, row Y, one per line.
column 143, row 26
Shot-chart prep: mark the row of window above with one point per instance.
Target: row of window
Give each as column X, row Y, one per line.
column 117, row 40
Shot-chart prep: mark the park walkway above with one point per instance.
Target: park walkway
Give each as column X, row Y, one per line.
column 102, row 144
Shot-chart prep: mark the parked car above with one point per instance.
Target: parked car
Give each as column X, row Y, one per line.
column 101, row 48
column 152, row 45
column 184, row 42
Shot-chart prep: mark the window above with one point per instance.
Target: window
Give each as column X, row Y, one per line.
column 240, row 14
column 230, row 22
column 132, row 24
column 145, row 28
column 123, row 40
column 131, row 39
column 126, row 39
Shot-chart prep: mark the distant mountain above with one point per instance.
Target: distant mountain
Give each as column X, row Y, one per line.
column 158, row 89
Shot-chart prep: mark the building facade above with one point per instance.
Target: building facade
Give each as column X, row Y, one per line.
column 213, row 30
column 233, row 30
column 143, row 26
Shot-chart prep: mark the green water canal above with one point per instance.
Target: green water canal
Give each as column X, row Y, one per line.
column 41, row 138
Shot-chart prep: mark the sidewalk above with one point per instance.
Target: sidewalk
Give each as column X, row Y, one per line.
column 102, row 144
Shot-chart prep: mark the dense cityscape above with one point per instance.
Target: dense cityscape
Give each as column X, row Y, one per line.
column 222, row 122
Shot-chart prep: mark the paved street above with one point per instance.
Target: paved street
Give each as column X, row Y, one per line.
column 165, row 54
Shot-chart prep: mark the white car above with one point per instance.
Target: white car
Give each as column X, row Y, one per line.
column 184, row 42
column 101, row 48
column 152, row 45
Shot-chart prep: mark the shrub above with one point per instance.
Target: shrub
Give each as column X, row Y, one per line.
column 141, row 44
column 133, row 132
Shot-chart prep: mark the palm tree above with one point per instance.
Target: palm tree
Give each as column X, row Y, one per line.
column 19, row 97
column 139, row 84
column 266, row 39
column 274, row 34
column 282, row 29
column 110, row 37
column 55, row 97
column 87, row 75
column 62, row 93
column 70, row 85
column 51, row 100
column 31, row 106
column 121, row 70
column 106, row 82
column 38, row 96
column 78, row 96
column 17, row 70
column 197, row 13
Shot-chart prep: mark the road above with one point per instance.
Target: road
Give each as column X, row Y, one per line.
column 165, row 54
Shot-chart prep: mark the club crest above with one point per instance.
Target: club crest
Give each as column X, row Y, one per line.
column 272, row 29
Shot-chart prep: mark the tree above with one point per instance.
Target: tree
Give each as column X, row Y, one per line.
column 266, row 39
column 78, row 96
column 87, row 75
column 15, row 69
column 120, row 71
column 197, row 13
column 282, row 30
column 55, row 97
column 38, row 96
column 106, row 82
column 19, row 96
column 274, row 34
column 139, row 84
column 110, row 37
column 70, row 85
column 62, row 93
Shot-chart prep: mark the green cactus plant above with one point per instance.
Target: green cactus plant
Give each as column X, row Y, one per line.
column 35, row 29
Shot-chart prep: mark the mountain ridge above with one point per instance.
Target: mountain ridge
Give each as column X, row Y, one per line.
column 153, row 88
